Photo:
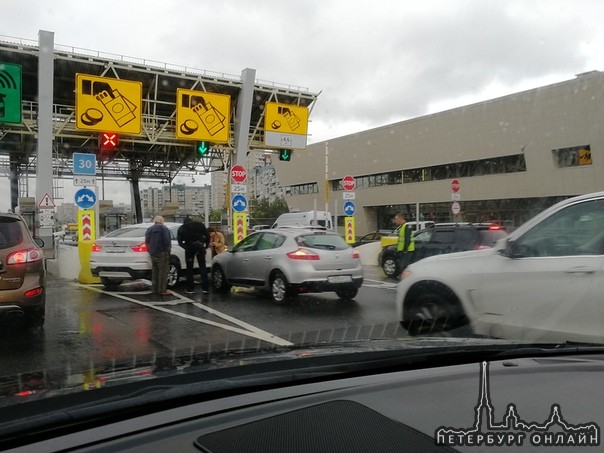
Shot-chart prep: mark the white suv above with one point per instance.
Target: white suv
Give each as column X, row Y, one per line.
column 122, row 255
column 544, row 282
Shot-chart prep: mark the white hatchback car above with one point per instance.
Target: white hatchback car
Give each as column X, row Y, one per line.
column 544, row 282
column 122, row 255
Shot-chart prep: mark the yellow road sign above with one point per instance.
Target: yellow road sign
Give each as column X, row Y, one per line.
column 349, row 234
column 203, row 116
column 108, row 105
column 285, row 118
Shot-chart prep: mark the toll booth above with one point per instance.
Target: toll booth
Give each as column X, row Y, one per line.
column 27, row 210
column 111, row 218
column 170, row 211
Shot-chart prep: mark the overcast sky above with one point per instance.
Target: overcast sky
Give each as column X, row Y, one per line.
column 374, row 63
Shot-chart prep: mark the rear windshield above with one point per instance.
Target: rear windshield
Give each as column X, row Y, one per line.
column 134, row 232
column 322, row 241
column 490, row 237
column 10, row 232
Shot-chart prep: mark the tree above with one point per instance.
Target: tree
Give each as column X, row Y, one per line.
column 264, row 209
column 215, row 215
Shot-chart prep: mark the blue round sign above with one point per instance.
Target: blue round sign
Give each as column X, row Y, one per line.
column 85, row 198
column 239, row 203
column 349, row 208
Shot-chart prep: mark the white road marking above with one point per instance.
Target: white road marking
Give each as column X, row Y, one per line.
column 379, row 284
column 247, row 330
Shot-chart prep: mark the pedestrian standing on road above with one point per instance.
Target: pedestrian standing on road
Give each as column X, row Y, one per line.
column 159, row 245
column 195, row 239
column 217, row 241
column 405, row 246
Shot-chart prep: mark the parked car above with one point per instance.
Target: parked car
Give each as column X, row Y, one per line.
column 544, row 282
column 22, row 270
column 288, row 261
column 122, row 255
column 443, row 238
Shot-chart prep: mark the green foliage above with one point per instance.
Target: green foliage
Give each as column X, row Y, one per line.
column 215, row 215
column 263, row 209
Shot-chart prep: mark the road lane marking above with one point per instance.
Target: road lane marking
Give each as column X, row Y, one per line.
column 254, row 333
column 379, row 284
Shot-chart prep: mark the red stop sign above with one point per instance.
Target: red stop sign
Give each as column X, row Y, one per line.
column 455, row 185
column 348, row 183
column 238, row 173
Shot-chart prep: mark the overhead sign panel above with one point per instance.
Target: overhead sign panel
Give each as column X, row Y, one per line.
column 108, row 105
column 203, row 116
column 285, row 125
column 10, row 93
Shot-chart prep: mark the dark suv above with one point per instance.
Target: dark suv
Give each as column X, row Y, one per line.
column 443, row 238
column 22, row 272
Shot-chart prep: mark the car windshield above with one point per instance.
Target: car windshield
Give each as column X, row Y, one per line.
column 218, row 191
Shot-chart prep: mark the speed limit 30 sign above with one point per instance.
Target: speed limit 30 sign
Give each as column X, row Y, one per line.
column 84, row 164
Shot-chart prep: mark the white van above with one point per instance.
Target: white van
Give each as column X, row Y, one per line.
column 420, row 225
column 304, row 219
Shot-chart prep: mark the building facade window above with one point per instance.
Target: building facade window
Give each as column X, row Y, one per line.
column 575, row 156
column 302, row 189
column 496, row 165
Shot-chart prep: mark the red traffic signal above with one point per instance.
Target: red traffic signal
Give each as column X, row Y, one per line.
column 108, row 144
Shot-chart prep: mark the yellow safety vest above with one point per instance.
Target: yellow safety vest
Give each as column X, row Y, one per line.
column 401, row 240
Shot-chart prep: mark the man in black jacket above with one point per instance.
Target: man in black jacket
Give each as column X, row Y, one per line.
column 194, row 238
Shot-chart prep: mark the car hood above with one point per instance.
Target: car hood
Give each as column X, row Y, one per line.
column 467, row 256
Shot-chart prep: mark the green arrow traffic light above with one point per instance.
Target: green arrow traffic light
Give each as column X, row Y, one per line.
column 285, row 154
column 203, row 149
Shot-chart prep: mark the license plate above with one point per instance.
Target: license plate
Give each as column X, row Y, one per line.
column 115, row 249
column 339, row 279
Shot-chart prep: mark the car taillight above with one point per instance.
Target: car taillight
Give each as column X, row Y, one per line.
column 139, row 248
column 24, row 256
column 303, row 254
column 495, row 227
column 482, row 247
column 356, row 255
column 96, row 248
column 33, row 292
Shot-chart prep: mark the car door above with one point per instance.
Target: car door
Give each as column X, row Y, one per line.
column 551, row 278
column 237, row 268
column 261, row 259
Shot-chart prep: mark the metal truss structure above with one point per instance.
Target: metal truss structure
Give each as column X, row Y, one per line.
column 156, row 154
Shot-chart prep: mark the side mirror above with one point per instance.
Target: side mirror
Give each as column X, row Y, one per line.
column 509, row 248
column 39, row 242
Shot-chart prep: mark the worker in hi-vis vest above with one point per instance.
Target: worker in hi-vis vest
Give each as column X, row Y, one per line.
column 405, row 245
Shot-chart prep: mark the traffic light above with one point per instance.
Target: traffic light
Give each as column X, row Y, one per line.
column 203, row 149
column 108, row 144
column 285, row 154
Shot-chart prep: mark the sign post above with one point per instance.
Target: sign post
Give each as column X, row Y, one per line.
column 348, row 184
column 239, row 204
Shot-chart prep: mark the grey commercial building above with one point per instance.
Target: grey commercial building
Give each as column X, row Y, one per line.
column 512, row 156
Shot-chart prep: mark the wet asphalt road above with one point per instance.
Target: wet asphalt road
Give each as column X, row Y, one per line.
column 88, row 327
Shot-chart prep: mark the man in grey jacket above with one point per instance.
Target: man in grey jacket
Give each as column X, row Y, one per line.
column 159, row 245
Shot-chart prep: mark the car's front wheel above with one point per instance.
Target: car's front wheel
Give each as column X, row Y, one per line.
column 111, row 283
column 219, row 280
column 433, row 313
column 173, row 272
column 391, row 266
